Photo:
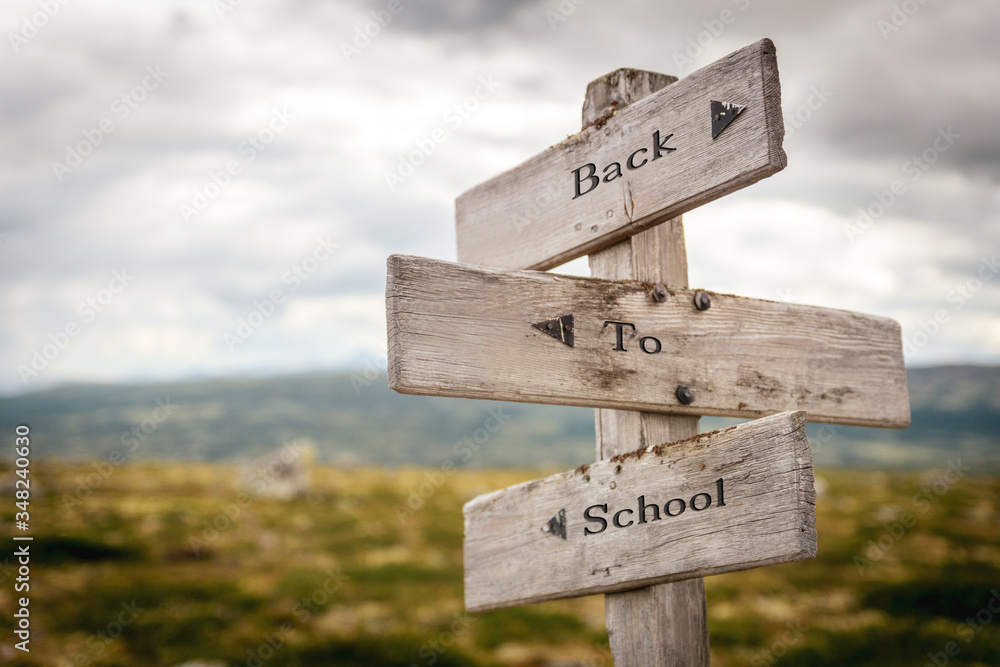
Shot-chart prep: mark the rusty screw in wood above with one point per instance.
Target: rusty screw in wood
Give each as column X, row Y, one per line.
column 685, row 395
column 702, row 301
column 659, row 293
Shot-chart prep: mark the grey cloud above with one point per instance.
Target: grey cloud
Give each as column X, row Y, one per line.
column 326, row 172
column 470, row 18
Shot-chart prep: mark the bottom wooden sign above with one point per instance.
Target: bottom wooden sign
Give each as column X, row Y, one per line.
column 733, row 499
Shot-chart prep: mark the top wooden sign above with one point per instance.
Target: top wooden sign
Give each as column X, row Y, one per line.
column 714, row 132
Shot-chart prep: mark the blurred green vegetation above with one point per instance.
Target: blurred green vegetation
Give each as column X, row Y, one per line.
column 355, row 419
column 161, row 564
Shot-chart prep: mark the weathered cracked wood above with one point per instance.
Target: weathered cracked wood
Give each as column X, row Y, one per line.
column 676, row 610
column 733, row 499
column 616, row 90
column 535, row 216
column 655, row 255
column 458, row 330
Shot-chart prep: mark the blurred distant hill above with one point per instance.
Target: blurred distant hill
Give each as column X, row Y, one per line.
column 351, row 420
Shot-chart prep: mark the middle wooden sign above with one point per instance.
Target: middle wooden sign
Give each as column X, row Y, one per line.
column 534, row 337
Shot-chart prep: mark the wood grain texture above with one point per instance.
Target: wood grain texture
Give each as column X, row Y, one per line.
column 513, row 557
column 655, row 255
column 616, row 90
column 457, row 330
column 677, row 610
column 528, row 217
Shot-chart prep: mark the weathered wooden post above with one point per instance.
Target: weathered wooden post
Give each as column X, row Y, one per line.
column 656, row 255
column 646, row 522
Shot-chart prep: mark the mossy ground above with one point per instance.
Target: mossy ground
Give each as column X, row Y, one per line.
column 341, row 577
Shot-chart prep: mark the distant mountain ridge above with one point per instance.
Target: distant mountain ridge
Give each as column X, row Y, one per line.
column 354, row 419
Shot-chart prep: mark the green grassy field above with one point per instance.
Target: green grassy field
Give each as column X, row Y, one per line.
column 166, row 563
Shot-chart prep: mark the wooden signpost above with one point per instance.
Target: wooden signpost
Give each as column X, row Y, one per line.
column 724, row 501
column 647, row 163
column 649, row 520
column 528, row 336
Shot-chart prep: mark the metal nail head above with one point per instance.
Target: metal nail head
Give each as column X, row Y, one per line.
column 685, row 395
column 702, row 300
column 659, row 293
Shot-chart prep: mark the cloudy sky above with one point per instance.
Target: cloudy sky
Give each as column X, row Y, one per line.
column 172, row 168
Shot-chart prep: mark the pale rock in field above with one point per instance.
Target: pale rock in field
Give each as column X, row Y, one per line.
column 282, row 474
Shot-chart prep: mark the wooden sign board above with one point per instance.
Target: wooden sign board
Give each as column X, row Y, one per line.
column 729, row 500
column 718, row 130
column 534, row 337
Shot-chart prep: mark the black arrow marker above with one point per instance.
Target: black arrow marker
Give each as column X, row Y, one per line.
column 560, row 328
column 556, row 525
column 724, row 113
